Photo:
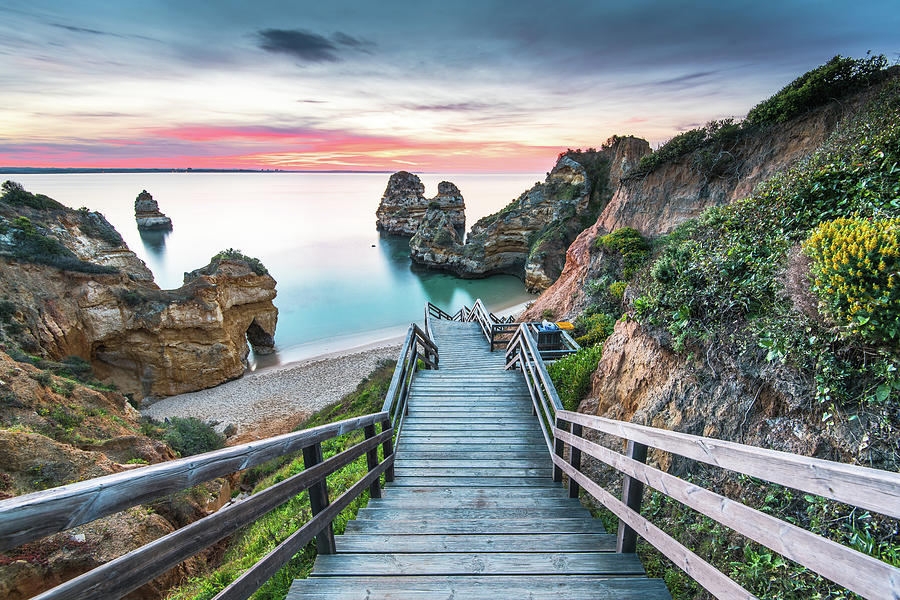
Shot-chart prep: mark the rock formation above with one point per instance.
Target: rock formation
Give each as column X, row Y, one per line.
column 90, row 296
column 528, row 237
column 657, row 202
column 147, row 215
column 403, row 205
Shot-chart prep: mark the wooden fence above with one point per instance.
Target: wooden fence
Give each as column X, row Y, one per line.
column 33, row 516
column 870, row 489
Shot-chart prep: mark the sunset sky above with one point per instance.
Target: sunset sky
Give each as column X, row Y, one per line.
column 424, row 86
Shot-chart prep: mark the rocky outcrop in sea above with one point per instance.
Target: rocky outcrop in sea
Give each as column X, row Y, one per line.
column 529, row 236
column 403, row 205
column 147, row 214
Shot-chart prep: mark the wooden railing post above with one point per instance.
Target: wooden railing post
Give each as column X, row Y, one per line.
column 559, row 448
column 575, row 461
column 632, row 493
column 318, row 499
column 387, row 448
column 372, row 462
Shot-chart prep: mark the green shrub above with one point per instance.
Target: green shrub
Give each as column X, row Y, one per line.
column 233, row 254
column 856, row 270
column 617, row 289
column 189, row 436
column 42, row 377
column 594, row 328
column 836, row 78
column 571, row 375
column 34, row 246
column 7, row 310
column 15, row 195
column 631, row 247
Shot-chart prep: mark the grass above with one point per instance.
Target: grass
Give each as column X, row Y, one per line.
column 261, row 537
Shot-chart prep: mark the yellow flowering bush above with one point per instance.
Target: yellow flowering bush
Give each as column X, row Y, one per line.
column 856, row 273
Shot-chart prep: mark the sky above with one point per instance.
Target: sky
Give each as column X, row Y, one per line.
column 450, row 86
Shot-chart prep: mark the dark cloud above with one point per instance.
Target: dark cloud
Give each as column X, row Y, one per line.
column 82, row 29
column 309, row 46
column 454, row 107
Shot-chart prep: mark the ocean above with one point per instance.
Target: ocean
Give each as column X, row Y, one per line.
column 340, row 283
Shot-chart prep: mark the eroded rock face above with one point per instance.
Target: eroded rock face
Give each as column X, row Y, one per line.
column 727, row 396
column 437, row 241
column 403, row 206
column 147, row 214
column 148, row 341
column 528, row 238
column 656, row 203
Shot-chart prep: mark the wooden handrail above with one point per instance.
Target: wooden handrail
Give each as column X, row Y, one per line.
column 36, row 515
column 32, row 516
column 871, row 489
column 397, row 398
column 130, row 571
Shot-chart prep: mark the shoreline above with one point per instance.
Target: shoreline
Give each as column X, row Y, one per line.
column 276, row 399
column 382, row 342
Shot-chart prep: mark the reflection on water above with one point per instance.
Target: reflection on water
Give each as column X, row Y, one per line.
column 154, row 240
column 340, row 283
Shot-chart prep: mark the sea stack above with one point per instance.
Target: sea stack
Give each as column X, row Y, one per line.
column 403, row 206
column 147, row 215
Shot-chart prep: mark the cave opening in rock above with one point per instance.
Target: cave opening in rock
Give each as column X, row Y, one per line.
column 260, row 340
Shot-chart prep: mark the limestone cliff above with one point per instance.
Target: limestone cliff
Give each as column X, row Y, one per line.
column 147, row 214
column 655, row 203
column 403, row 205
column 528, row 237
column 77, row 290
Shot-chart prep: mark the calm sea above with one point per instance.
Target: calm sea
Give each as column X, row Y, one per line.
column 340, row 284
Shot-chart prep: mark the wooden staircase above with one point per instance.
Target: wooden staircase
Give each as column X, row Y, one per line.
column 473, row 511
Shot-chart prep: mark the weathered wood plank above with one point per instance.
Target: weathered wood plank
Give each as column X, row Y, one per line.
column 469, row 587
column 526, row 526
column 32, row 516
column 478, row 502
column 529, row 512
column 128, row 572
column 872, row 489
column 865, row 575
column 254, row 577
column 410, row 461
column 582, row 563
column 417, row 494
column 698, row 569
column 494, row 481
column 401, row 471
column 497, row 542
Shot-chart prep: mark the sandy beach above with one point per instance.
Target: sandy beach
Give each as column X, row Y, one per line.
column 273, row 401
column 276, row 399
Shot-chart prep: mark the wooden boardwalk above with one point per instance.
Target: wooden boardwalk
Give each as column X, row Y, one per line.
column 473, row 512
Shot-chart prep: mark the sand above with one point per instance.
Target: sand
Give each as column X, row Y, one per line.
column 273, row 401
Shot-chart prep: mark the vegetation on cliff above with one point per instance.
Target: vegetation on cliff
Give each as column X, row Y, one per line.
column 794, row 288
column 838, row 78
column 261, row 537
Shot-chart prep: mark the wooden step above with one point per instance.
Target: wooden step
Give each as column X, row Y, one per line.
column 450, row 493
column 454, row 514
column 479, row 587
column 497, row 542
column 401, row 471
column 411, row 461
column 447, row 526
column 475, row 563
column 479, row 501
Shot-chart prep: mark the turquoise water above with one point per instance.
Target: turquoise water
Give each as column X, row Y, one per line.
column 340, row 284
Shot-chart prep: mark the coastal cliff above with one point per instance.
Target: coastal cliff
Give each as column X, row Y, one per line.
column 403, row 206
column 527, row 238
column 702, row 300
column 77, row 290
